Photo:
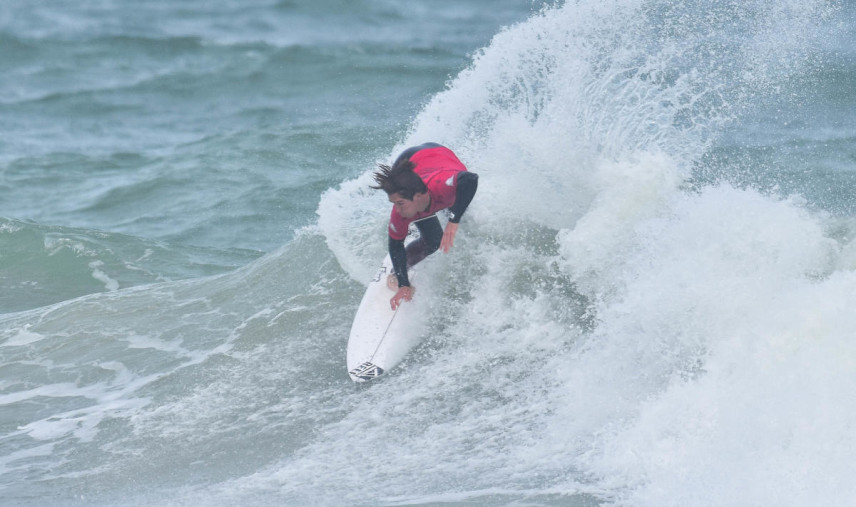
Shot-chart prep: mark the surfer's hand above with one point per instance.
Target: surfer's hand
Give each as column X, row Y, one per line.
column 448, row 237
column 405, row 293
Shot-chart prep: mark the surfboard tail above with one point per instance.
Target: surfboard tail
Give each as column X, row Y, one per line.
column 366, row 371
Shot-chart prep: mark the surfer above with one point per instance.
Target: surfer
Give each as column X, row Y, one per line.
column 423, row 180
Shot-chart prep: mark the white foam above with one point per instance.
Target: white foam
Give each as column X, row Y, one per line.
column 713, row 365
column 719, row 326
column 23, row 337
column 101, row 276
column 722, row 335
column 8, row 461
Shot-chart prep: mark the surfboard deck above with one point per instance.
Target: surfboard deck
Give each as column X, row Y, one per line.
column 381, row 337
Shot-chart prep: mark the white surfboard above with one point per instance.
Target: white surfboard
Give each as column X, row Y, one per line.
column 381, row 337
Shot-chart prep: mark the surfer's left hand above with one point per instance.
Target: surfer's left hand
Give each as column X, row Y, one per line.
column 405, row 293
column 448, row 237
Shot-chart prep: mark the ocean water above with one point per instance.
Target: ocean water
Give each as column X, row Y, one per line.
column 649, row 302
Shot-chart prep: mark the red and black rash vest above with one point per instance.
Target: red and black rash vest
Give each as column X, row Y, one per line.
column 439, row 168
column 449, row 185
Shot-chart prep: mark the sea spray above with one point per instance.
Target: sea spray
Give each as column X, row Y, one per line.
column 589, row 122
column 619, row 322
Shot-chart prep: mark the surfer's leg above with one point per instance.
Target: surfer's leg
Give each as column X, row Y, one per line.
column 430, row 235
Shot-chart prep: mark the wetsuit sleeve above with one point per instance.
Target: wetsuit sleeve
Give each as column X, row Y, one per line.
column 465, row 191
column 399, row 261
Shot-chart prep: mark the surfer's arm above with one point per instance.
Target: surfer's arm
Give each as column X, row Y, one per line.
column 468, row 183
column 448, row 239
column 398, row 255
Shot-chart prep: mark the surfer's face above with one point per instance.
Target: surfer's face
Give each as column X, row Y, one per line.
column 405, row 207
column 408, row 208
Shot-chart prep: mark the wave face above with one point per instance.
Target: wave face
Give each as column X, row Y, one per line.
column 648, row 302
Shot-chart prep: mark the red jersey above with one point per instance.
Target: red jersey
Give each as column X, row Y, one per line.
column 438, row 167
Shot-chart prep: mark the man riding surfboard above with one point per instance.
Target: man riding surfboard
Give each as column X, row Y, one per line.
column 423, row 180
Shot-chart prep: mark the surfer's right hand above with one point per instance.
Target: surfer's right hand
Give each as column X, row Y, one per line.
column 405, row 293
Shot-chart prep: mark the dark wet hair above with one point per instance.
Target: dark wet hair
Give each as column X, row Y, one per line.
column 399, row 179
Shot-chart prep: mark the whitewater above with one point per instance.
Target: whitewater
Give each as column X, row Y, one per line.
column 649, row 301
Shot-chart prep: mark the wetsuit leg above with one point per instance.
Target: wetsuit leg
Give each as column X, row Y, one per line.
column 430, row 236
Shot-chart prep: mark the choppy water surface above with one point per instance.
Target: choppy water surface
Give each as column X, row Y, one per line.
column 648, row 304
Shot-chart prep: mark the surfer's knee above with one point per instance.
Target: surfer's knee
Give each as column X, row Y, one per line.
column 431, row 234
column 432, row 244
